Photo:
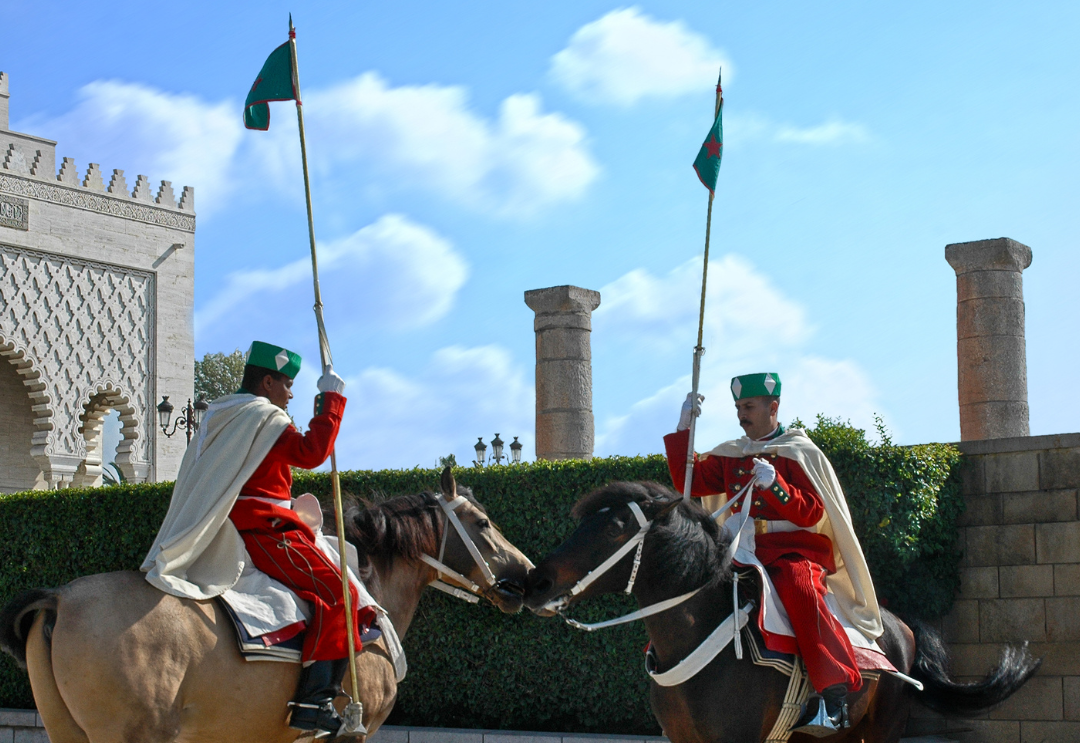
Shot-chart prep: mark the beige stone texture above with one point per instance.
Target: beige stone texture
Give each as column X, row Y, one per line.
column 972, row 476
column 1063, row 619
column 1039, row 699
column 564, row 418
column 985, row 731
column 1067, row 580
column 1058, row 542
column 1012, row 472
column 1022, row 581
column 1040, row 507
column 979, row 583
column 1070, row 687
column 981, row 510
column 990, row 316
column 962, row 623
column 1000, row 545
column 123, row 275
column 1012, row 620
column 991, row 371
column 1059, row 468
column 1058, row 658
column 18, row 470
column 1049, row 732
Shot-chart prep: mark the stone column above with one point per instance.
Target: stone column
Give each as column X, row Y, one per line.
column 990, row 348
column 564, row 418
column 4, row 97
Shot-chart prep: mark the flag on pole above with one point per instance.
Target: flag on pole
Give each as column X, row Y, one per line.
column 707, row 162
column 276, row 82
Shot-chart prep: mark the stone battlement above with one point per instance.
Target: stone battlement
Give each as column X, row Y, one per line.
column 34, row 157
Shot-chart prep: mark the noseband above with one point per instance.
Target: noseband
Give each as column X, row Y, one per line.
column 472, row 595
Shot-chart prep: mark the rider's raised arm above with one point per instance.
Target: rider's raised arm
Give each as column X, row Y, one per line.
column 708, row 471
column 309, row 450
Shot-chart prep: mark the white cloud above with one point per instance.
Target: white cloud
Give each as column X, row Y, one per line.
column 394, row 273
column 395, row 420
column 750, row 326
column 626, row 55
column 428, row 136
column 755, row 127
column 142, row 130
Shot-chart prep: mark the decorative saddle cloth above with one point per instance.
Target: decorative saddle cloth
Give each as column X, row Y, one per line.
column 270, row 618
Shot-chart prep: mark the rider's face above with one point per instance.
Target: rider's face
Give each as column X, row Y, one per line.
column 277, row 390
column 757, row 416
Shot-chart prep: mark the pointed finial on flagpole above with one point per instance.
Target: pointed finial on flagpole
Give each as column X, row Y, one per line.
column 292, row 30
column 719, row 93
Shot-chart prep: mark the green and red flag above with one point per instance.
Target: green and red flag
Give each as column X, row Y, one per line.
column 707, row 162
column 276, row 82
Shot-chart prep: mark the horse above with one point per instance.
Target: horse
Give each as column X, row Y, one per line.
column 729, row 700
column 112, row 659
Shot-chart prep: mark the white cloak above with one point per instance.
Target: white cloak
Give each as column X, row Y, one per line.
column 851, row 584
column 198, row 553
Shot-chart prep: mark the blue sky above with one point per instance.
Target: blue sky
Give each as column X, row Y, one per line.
column 463, row 153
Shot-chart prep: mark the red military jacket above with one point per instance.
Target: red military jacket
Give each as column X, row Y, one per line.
column 791, row 498
column 273, row 478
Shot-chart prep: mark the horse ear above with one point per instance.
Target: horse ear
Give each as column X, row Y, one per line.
column 664, row 508
column 446, row 482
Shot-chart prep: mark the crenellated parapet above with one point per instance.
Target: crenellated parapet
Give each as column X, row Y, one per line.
column 28, row 169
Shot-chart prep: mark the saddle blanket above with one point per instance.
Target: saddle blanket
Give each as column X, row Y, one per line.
column 270, row 618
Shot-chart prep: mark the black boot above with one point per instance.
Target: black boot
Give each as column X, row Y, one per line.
column 313, row 708
column 824, row 714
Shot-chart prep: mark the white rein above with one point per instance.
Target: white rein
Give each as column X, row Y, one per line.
column 472, row 594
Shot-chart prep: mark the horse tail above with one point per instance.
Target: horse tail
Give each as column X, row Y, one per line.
column 946, row 696
column 18, row 616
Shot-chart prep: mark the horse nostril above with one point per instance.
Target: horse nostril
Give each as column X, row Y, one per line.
column 509, row 585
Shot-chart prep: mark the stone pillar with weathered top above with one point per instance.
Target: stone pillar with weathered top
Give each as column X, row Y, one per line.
column 564, row 417
column 990, row 347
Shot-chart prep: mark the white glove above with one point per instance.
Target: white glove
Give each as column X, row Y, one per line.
column 684, row 416
column 764, row 474
column 331, row 382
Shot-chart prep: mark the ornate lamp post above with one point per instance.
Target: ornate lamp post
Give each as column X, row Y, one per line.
column 191, row 419
column 497, row 456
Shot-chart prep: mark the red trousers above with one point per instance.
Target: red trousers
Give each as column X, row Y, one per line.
column 822, row 641
column 284, row 548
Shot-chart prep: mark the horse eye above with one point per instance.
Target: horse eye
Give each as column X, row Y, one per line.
column 483, row 523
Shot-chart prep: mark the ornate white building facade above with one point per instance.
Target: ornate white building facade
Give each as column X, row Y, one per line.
column 96, row 301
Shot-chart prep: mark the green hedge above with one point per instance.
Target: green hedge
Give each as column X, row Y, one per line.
column 472, row 666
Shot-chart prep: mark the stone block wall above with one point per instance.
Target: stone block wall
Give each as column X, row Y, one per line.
column 1020, row 582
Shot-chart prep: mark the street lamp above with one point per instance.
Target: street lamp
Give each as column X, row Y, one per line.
column 190, row 420
column 497, row 456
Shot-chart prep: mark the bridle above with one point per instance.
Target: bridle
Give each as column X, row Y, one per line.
column 560, row 603
column 473, row 592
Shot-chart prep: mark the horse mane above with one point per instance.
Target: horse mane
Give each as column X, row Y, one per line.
column 404, row 526
column 685, row 547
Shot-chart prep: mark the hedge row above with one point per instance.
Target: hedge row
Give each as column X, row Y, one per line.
column 472, row 666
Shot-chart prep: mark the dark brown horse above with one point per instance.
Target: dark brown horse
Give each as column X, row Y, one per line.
column 114, row 660
column 733, row 700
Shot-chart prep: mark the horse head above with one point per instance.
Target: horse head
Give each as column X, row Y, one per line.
column 473, row 546
column 628, row 533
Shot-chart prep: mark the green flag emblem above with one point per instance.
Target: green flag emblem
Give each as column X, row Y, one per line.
column 707, row 162
column 275, row 82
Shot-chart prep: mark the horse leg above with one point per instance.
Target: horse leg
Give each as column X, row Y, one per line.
column 59, row 724
column 377, row 685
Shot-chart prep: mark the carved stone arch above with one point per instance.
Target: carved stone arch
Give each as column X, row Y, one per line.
column 24, row 465
column 96, row 402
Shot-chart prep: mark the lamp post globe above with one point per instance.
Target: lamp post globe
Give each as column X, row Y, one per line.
column 515, row 451
column 497, row 449
column 481, row 451
column 164, row 411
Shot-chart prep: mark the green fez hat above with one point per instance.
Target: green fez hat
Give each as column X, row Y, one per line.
column 274, row 358
column 755, row 385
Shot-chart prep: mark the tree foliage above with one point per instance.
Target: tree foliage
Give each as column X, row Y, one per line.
column 218, row 374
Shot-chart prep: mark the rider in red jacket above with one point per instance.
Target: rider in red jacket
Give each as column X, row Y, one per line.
column 283, row 546
column 796, row 558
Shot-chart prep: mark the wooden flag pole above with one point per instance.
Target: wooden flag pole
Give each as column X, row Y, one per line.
column 699, row 350
column 354, row 711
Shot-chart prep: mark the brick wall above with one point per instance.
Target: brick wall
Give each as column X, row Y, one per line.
column 1020, row 581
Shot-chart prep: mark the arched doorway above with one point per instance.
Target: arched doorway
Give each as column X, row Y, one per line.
column 18, row 468
column 107, row 403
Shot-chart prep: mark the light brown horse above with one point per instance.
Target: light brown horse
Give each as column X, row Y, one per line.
column 112, row 659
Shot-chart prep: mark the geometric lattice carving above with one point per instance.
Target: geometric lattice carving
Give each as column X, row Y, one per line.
column 86, row 332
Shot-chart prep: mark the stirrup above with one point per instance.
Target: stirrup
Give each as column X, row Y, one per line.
column 815, row 719
column 323, row 718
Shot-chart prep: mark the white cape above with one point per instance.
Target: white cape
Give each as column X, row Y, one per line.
column 198, row 553
column 851, row 585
